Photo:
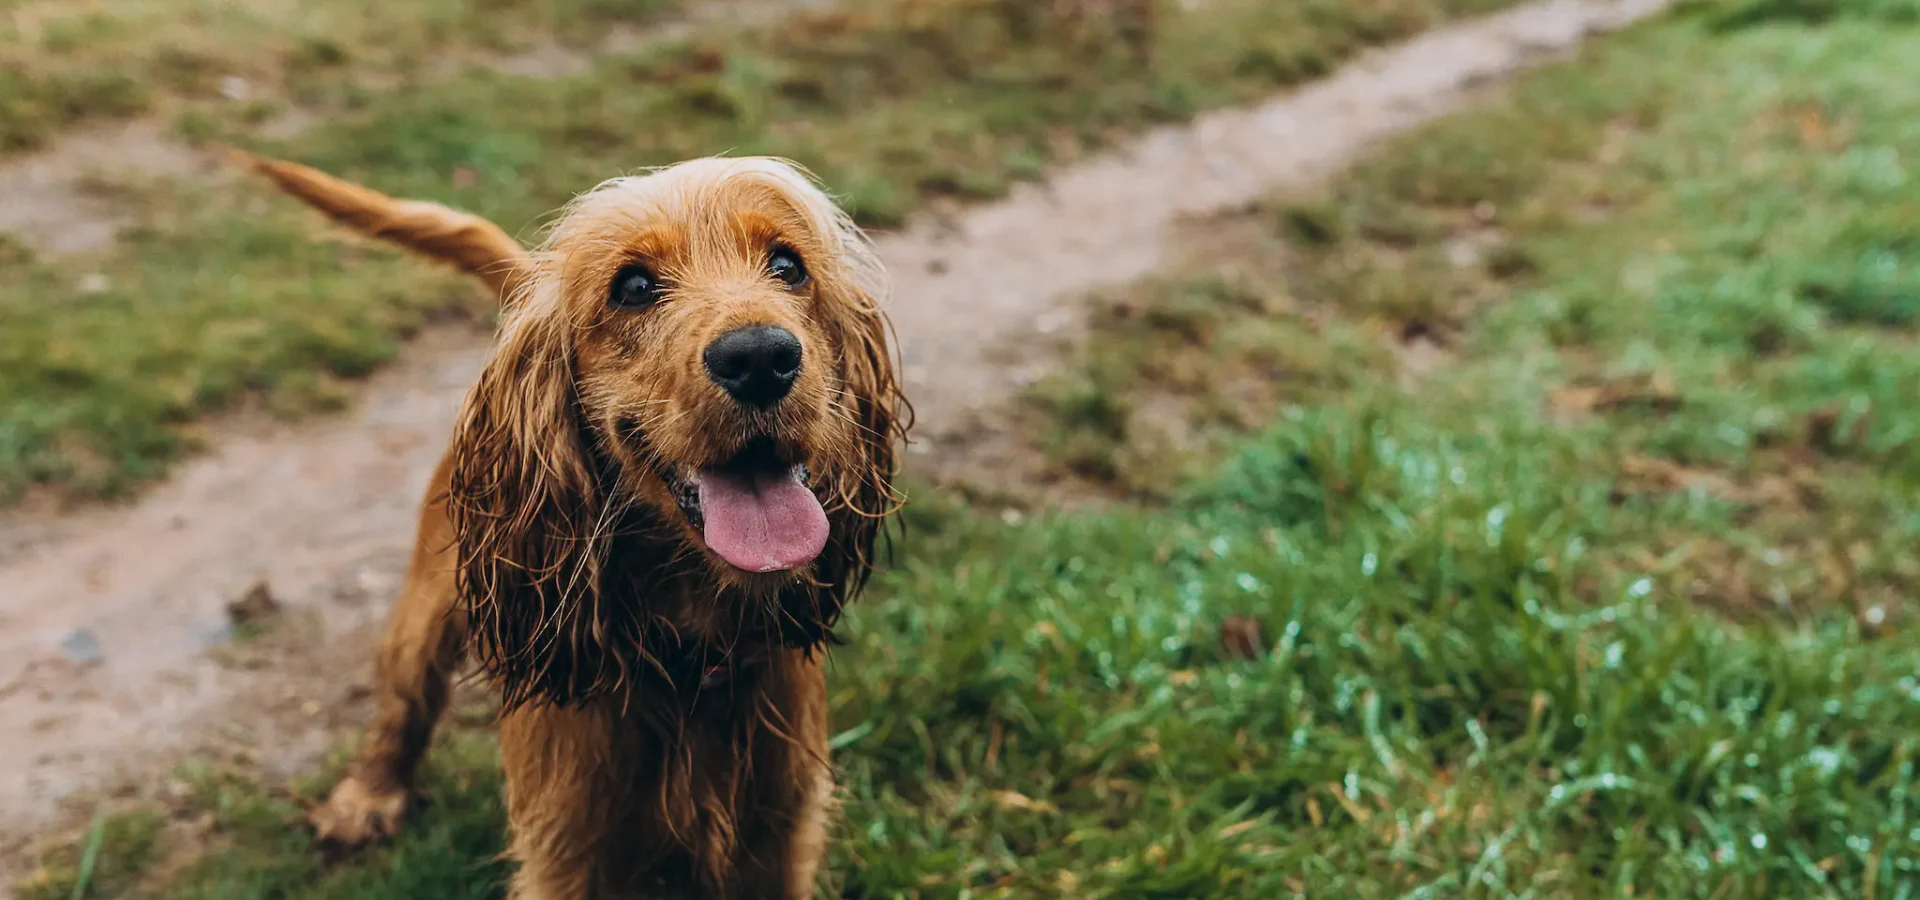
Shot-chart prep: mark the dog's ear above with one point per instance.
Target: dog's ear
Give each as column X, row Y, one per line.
column 851, row 288
column 530, row 515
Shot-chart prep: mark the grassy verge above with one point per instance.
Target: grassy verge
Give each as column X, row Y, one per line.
column 1706, row 276
column 65, row 63
column 1435, row 635
column 1182, row 366
column 224, row 293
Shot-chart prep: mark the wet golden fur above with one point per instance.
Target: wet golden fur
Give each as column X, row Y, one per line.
column 551, row 550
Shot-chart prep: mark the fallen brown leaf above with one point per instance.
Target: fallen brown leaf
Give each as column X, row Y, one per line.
column 1017, row 800
column 1241, row 638
column 253, row 607
column 1654, row 391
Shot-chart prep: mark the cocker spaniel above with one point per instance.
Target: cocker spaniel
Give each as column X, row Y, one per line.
column 666, row 483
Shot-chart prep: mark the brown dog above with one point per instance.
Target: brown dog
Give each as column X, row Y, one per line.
column 666, row 484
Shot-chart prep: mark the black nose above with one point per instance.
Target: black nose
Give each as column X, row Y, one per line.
column 757, row 364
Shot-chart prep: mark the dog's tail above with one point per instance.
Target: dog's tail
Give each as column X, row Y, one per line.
column 468, row 242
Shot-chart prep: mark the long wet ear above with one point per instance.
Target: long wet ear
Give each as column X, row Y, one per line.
column 527, row 505
column 851, row 287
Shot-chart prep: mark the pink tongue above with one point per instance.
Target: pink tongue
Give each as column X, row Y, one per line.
column 761, row 521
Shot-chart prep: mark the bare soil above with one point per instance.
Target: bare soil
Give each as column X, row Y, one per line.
column 118, row 658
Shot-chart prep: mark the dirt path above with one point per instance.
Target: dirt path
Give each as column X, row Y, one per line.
column 115, row 655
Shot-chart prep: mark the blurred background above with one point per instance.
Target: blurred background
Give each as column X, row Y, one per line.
column 1367, row 448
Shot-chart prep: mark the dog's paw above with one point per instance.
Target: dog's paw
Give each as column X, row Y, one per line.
column 356, row 815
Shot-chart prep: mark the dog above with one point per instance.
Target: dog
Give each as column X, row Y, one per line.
column 669, row 479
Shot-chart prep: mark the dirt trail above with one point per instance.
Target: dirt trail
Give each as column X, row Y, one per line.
column 115, row 657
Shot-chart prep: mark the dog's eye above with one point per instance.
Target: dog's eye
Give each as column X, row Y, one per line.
column 786, row 266
column 634, row 287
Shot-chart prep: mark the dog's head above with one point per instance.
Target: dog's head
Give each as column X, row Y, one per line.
column 695, row 377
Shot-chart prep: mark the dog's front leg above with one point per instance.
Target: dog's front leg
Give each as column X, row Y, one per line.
column 423, row 645
column 790, row 805
column 781, row 854
column 566, row 787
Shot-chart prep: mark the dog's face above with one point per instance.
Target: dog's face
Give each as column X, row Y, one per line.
column 703, row 342
column 713, row 307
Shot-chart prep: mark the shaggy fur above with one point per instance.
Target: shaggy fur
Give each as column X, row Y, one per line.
column 664, row 718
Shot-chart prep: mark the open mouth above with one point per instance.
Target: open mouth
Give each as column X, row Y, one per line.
column 755, row 510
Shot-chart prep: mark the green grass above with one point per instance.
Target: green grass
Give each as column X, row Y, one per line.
column 65, row 63
column 106, row 860
column 1497, row 664
column 1468, row 691
column 1182, row 366
column 1707, row 273
column 224, row 293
